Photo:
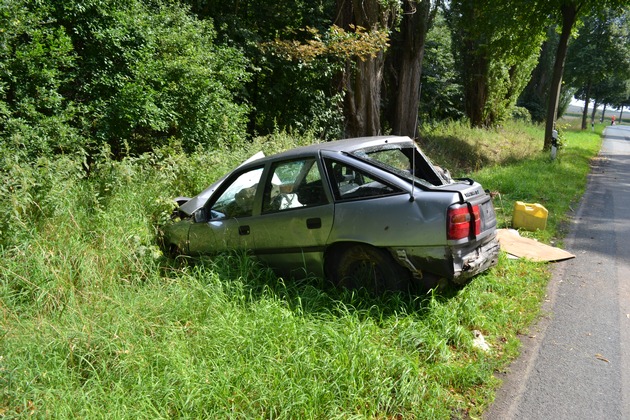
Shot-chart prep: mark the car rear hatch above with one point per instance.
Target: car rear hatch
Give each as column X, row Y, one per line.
column 471, row 230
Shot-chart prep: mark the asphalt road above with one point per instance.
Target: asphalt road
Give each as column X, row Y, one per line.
column 575, row 363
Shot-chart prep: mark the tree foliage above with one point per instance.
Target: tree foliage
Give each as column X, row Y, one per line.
column 129, row 74
column 598, row 61
column 442, row 96
column 76, row 75
column 37, row 62
column 283, row 93
column 152, row 72
column 337, row 43
column 497, row 46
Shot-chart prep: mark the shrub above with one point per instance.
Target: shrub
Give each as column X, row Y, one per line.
column 521, row 114
column 134, row 75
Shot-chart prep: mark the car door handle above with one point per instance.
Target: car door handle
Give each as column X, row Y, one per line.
column 314, row 223
column 243, row 230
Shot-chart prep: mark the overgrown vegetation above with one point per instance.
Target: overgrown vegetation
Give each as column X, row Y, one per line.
column 96, row 322
column 108, row 109
column 130, row 75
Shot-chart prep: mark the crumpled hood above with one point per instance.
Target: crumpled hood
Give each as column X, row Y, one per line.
column 200, row 199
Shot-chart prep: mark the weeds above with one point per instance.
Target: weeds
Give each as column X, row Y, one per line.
column 95, row 322
column 462, row 150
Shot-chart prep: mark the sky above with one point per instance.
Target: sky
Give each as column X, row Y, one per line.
column 577, row 102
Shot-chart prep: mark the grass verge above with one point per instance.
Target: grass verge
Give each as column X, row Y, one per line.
column 95, row 322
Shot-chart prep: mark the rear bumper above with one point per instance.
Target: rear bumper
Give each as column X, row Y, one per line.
column 456, row 262
column 472, row 260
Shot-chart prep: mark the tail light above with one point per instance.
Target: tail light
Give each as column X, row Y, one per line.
column 463, row 222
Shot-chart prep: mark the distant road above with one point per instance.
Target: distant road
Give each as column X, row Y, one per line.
column 575, row 362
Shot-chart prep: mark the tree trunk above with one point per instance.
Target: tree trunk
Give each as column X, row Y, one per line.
column 417, row 19
column 363, row 97
column 363, row 78
column 569, row 16
column 476, row 66
column 587, row 101
column 603, row 113
column 475, row 61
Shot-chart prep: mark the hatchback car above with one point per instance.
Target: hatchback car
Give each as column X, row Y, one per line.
column 369, row 212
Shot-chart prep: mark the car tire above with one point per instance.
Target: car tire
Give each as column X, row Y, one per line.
column 363, row 266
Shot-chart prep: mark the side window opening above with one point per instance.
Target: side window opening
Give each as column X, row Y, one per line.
column 293, row 184
column 351, row 183
column 237, row 200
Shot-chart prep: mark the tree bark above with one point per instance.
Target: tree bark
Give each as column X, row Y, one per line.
column 475, row 61
column 587, row 101
column 363, row 78
column 569, row 16
column 363, row 97
column 476, row 66
column 417, row 19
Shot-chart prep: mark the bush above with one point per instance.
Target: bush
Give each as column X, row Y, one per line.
column 37, row 62
column 521, row 114
column 134, row 75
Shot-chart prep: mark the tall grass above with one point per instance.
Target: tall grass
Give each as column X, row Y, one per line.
column 463, row 149
column 95, row 322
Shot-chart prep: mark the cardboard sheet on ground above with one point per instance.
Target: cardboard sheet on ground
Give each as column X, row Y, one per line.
column 514, row 244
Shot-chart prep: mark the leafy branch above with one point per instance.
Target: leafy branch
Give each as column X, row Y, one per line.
column 358, row 43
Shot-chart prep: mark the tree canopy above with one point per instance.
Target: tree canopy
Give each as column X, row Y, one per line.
column 77, row 76
column 128, row 74
column 598, row 60
column 497, row 46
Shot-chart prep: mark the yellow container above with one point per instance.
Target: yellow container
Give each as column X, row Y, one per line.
column 529, row 216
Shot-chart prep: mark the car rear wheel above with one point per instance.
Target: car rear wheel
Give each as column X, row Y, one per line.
column 363, row 266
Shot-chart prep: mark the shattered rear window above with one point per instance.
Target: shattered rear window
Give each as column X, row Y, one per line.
column 404, row 162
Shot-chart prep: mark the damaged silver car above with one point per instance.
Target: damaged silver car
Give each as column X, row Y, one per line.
column 369, row 212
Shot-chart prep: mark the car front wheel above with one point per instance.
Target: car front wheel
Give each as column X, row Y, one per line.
column 363, row 266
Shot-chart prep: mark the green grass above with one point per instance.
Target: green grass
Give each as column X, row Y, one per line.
column 557, row 185
column 95, row 322
column 518, row 170
column 463, row 150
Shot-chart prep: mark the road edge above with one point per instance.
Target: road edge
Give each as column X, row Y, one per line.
column 514, row 379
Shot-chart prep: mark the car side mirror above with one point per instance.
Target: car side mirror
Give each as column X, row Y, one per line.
column 201, row 215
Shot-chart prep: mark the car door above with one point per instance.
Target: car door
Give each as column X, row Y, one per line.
column 223, row 225
column 295, row 219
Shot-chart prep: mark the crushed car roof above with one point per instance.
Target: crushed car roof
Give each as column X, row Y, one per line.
column 346, row 145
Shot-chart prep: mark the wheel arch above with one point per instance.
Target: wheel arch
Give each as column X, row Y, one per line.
column 334, row 251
